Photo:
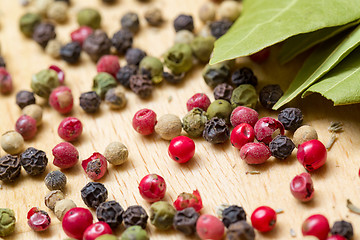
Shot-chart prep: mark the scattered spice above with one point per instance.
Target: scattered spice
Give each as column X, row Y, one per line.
column 93, row 194
column 316, row 225
column 172, row 78
column 184, row 22
column 12, row 142
column 6, row 85
column 185, row 221
column 207, row 12
column 244, row 95
column 130, row 21
column 279, row 211
column 62, row 206
column 244, row 76
column 152, row 188
column 2, row 62
column 255, row 153
column 34, row 161
column 76, row 221
column 115, row 98
column 242, row 134
column 65, row 155
column 267, row 128
column 220, row 208
column 141, row 85
column 302, row 187
column 162, row 215
column 184, row 36
column 153, row 16
column 229, row 10
column 188, row 200
column 152, row 67
column 252, row 172
column 352, row 207
column 97, row 45
column 122, row 41
column 335, row 127
column 24, row 98
column 116, row 153
column 9, row 168
column 133, row 232
column 202, row 47
column 244, row 115
column 90, row 101
column 168, row 126
column 216, row 131
column 102, row 82
column 312, row 154
column 233, row 214
column 110, row 212
column 55, row 180
column 269, row 95
column 144, row 121
column 198, row 100
column 89, row 17
column 7, row 222
column 343, row 228
column 43, row 33
column 135, row 216
column 263, row 219
column 52, row 197
column 71, row 52
column 80, row 34
column 57, row 11
column 209, row 227
column 125, row 73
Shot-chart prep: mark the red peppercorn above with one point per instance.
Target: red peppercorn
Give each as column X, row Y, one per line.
column 38, row 220
column 255, row 153
column 61, row 99
column 65, row 155
column 144, row 121
column 242, row 134
column 95, row 166
column 60, row 73
column 209, row 227
column 312, row 154
column 316, row 225
column 244, row 115
column 109, row 64
column 80, row 34
column 70, row 129
column 76, row 221
column 96, row 230
column 185, row 200
column 261, row 56
column 263, row 219
column 6, row 85
column 265, row 128
column 152, row 188
column 336, row 237
column 200, row 100
column 26, row 126
column 181, row 149
column 302, row 187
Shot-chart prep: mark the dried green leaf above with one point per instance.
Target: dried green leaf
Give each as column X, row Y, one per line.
column 352, row 207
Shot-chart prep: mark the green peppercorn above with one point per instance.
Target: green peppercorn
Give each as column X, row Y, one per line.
column 216, row 74
column 116, row 153
column 162, row 215
column 220, row 108
column 202, row 47
column 107, row 237
column 89, row 17
column 244, row 95
column 194, row 122
column 179, row 58
column 43, row 82
column 154, row 66
column 57, row 11
column 28, row 22
column 102, row 83
column 7, row 222
column 134, row 233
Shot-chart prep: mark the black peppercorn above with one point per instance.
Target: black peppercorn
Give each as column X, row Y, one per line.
column 184, row 22
column 90, row 101
column 216, row 74
column 219, row 28
column 281, row 147
column 93, row 194
column 216, row 130
column 97, row 45
column 43, row 33
column 66, row 1
column 343, row 228
column 172, row 78
column 122, row 41
column 55, row 180
column 232, row 215
column 124, row 74
column 269, row 95
column 24, row 98
column 9, row 168
column 130, row 21
column 110, row 212
column 141, row 85
column 2, row 62
column 291, row 118
column 240, row 231
column 71, row 52
column 135, row 216
column 185, row 221
column 134, row 56
column 244, row 76
column 109, row 1
column 223, row 91
column 34, row 161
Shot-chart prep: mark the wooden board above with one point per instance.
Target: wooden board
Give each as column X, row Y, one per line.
column 216, row 170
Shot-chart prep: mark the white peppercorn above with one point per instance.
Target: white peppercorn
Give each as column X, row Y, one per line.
column 168, row 126
column 62, row 206
column 207, row 12
column 53, row 48
column 154, row 16
column 41, row 6
column 115, row 98
column 116, row 153
column 303, row 134
column 12, row 142
column 57, row 11
column 229, row 10
column 184, row 36
column 52, row 197
column 34, row 111
column 55, row 180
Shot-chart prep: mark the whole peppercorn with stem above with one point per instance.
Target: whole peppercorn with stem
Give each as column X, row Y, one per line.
column 57, row 11
column 12, row 142
column 219, row 28
column 65, row 155
column 240, row 231
column 244, row 95
column 115, row 98
column 75, row 222
column 343, row 228
column 255, row 153
column 71, row 52
column 102, row 82
column 43, row 33
column 263, row 219
column 62, row 206
column 229, row 10
column 9, row 168
column 233, row 214
column 223, row 91
column 144, row 121
column 216, row 74
column 194, row 122
column 26, row 126
column 154, row 67
column 34, row 161
column 316, row 225
column 291, row 118
column 61, row 99
column 202, row 47
column 90, row 101
column 303, row 134
column 281, row 147
column 135, row 216
column 209, row 227
column 52, row 198
column 97, row 45
column 207, row 12
column 162, row 215
column 7, row 222
column 93, row 194
column 95, row 166
column 186, row 200
column 200, row 100
column 183, row 21
column 141, row 85
column 153, row 16
column 244, row 76
column 168, row 126
column 185, row 221
column 24, row 98
column 53, row 48
column 89, row 17
column 122, row 40
column 38, row 220
column 130, row 21
column 43, row 82
column 152, row 188
column 70, row 129
column 184, row 36
column 116, row 153
column 6, row 85
column 265, row 129
column 55, row 180
column 179, row 58
column 134, row 233
column 134, row 56
column 28, row 22
column 80, row 34
column 312, row 154
column 34, row 111
column 110, row 212
column 216, row 131
column 269, row 95
column 221, row 109
column 302, row 187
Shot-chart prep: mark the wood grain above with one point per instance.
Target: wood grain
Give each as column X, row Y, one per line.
column 216, row 170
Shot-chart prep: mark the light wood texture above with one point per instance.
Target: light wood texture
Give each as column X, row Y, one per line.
column 216, row 170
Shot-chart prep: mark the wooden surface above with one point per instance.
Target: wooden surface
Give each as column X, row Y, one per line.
column 216, row 170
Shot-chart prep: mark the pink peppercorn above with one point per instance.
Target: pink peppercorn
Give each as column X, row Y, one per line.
column 65, row 155
column 316, row 225
column 185, row 200
column 242, row 134
column 95, row 166
column 302, row 187
column 181, row 149
column 96, row 230
column 152, row 188
column 200, row 100
column 61, row 99
column 263, row 219
column 265, row 129
column 336, row 237
column 255, row 153
column 80, row 34
column 312, row 154
column 261, row 56
column 144, row 121
column 209, row 227
column 243, row 115
column 26, row 126
column 76, row 221
column 70, row 129
column 6, row 85
column 60, row 73
column 109, row 64
column 38, row 220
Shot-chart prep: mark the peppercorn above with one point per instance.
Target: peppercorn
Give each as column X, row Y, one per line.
column 172, row 78
column 115, row 98
column 7, row 222
column 28, row 22
column 97, row 45
column 6, row 85
column 53, row 48
column 95, row 166
column 153, row 16
column 107, row 236
column 216, row 131
column 110, row 212
column 2, row 62
column 244, row 76
column 134, row 56
column 12, row 142
column 185, row 221
column 269, row 95
column 219, row 28
column 69, row 129
column 281, row 147
column 134, row 233
column 93, row 194
column 183, row 21
column 62, row 206
column 52, row 198
column 194, row 122
column 71, row 52
column 109, row 1
column 302, row 187
column 26, row 126
column 162, row 215
column 80, row 34
column 124, row 74
column 90, row 101
column 43, row 82
column 179, row 58
column 244, row 95
column 223, row 91
column 65, row 1
column 343, row 228
column 153, row 67
column 216, row 74
column 168, row 126
column 55, row 180
column 184, row 36
column 209, row 227
column 43, row 33
column 229, row 10
column 116, row 153
column 291, row 118
column 202, row 47
column 130, row 21
column 41, row 6
column 57, row 11
column 207, row 12
column 102, row 83
column 89, row 17
column 240, row 231
column 24, row 98
column 205, row 31
column 135, row 216
column 9, row 168
column 233, row 214
column 303, row 134
column 200, row 100
column 221, row 109
column 141, row 85
column 34, row 161
column 122, row 40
